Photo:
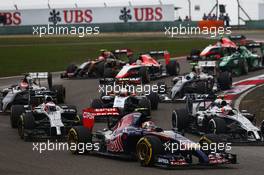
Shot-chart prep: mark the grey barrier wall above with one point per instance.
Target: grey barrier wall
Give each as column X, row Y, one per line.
column 255, row 24
column 106, row 27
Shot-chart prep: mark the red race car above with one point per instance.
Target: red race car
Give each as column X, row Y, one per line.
column 148, row 67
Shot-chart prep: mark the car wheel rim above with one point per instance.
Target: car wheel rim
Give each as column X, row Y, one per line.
column 143, row 152
column 21, row 129
column 212, row 127
column 174, row 120
column 73, row 140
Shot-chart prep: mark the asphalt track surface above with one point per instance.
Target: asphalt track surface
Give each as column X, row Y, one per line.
column 18, row 157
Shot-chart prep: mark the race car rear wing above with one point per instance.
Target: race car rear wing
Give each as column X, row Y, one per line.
column 40, row 76
column 118, row 53
column 163, row 54
column 89, row 115
column 120, row 81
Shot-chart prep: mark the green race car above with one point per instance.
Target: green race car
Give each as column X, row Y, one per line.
column 240, row 62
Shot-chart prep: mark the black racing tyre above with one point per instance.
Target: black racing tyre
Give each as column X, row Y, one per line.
column 154, row 100
column 25, row 122
column 173, row 68
column 245, row 67
column 180, row 119
column 145, row 103
column 109, row 72
column 144, row 75
column 255, row 64
column 60, row 93
column 148, row 147
column 78, row 137
column 97, row 103
column 217, row 126
column 50, row 83
column 99, row 67
column 262, row 128
column 224, row 80
column 16, row 111
column 71, row 68
column 210, row 141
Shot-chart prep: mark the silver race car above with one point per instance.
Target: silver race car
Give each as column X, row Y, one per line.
column 28, row 88
column 195, row 82
column 217, row 119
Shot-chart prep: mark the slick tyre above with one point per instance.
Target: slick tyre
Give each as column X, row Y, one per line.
column 147, row 149
column 26, row 122
column 217, row 126
column 71, row 68
column 224, row 80
column 109, row 73
column 209, row 142
column 16, row 111
column 154, row 100
column 245, row 67
column 180, row 119
column 79, row 135
column 145, row 103
column 144, row 75
column 173, row 68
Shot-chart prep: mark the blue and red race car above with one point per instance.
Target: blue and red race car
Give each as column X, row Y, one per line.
column 135, row 137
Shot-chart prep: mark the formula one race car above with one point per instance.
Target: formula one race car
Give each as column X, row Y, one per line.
column 127, row 102
column 136, row 138
column 194, row 82
column 47, row 120
column 240, row 62
column 147, row 67
column 107, row 65
column 222, row 48
column 205, row 115
column 29, row 89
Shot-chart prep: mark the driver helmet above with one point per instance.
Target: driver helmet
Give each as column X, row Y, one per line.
column 24, row 83
column 123, row 92
column 105, row 53
column 48, row 99
column 197, row 69
column 50, row 107
column 149, row 126
column 226, row 109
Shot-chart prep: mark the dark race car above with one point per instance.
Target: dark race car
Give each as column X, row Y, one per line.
column 107, row 64
column 195, row 82
column 218, row 121
column 29, row 89
column 45, row 121
column 134, row 137
column 147, row 67
column 127, row 102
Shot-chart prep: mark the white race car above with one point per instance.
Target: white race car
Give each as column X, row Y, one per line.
column 218, row 118
column 30, row 87
column 47, row 120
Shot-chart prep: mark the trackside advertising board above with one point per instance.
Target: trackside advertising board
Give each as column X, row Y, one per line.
column 88, row 15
